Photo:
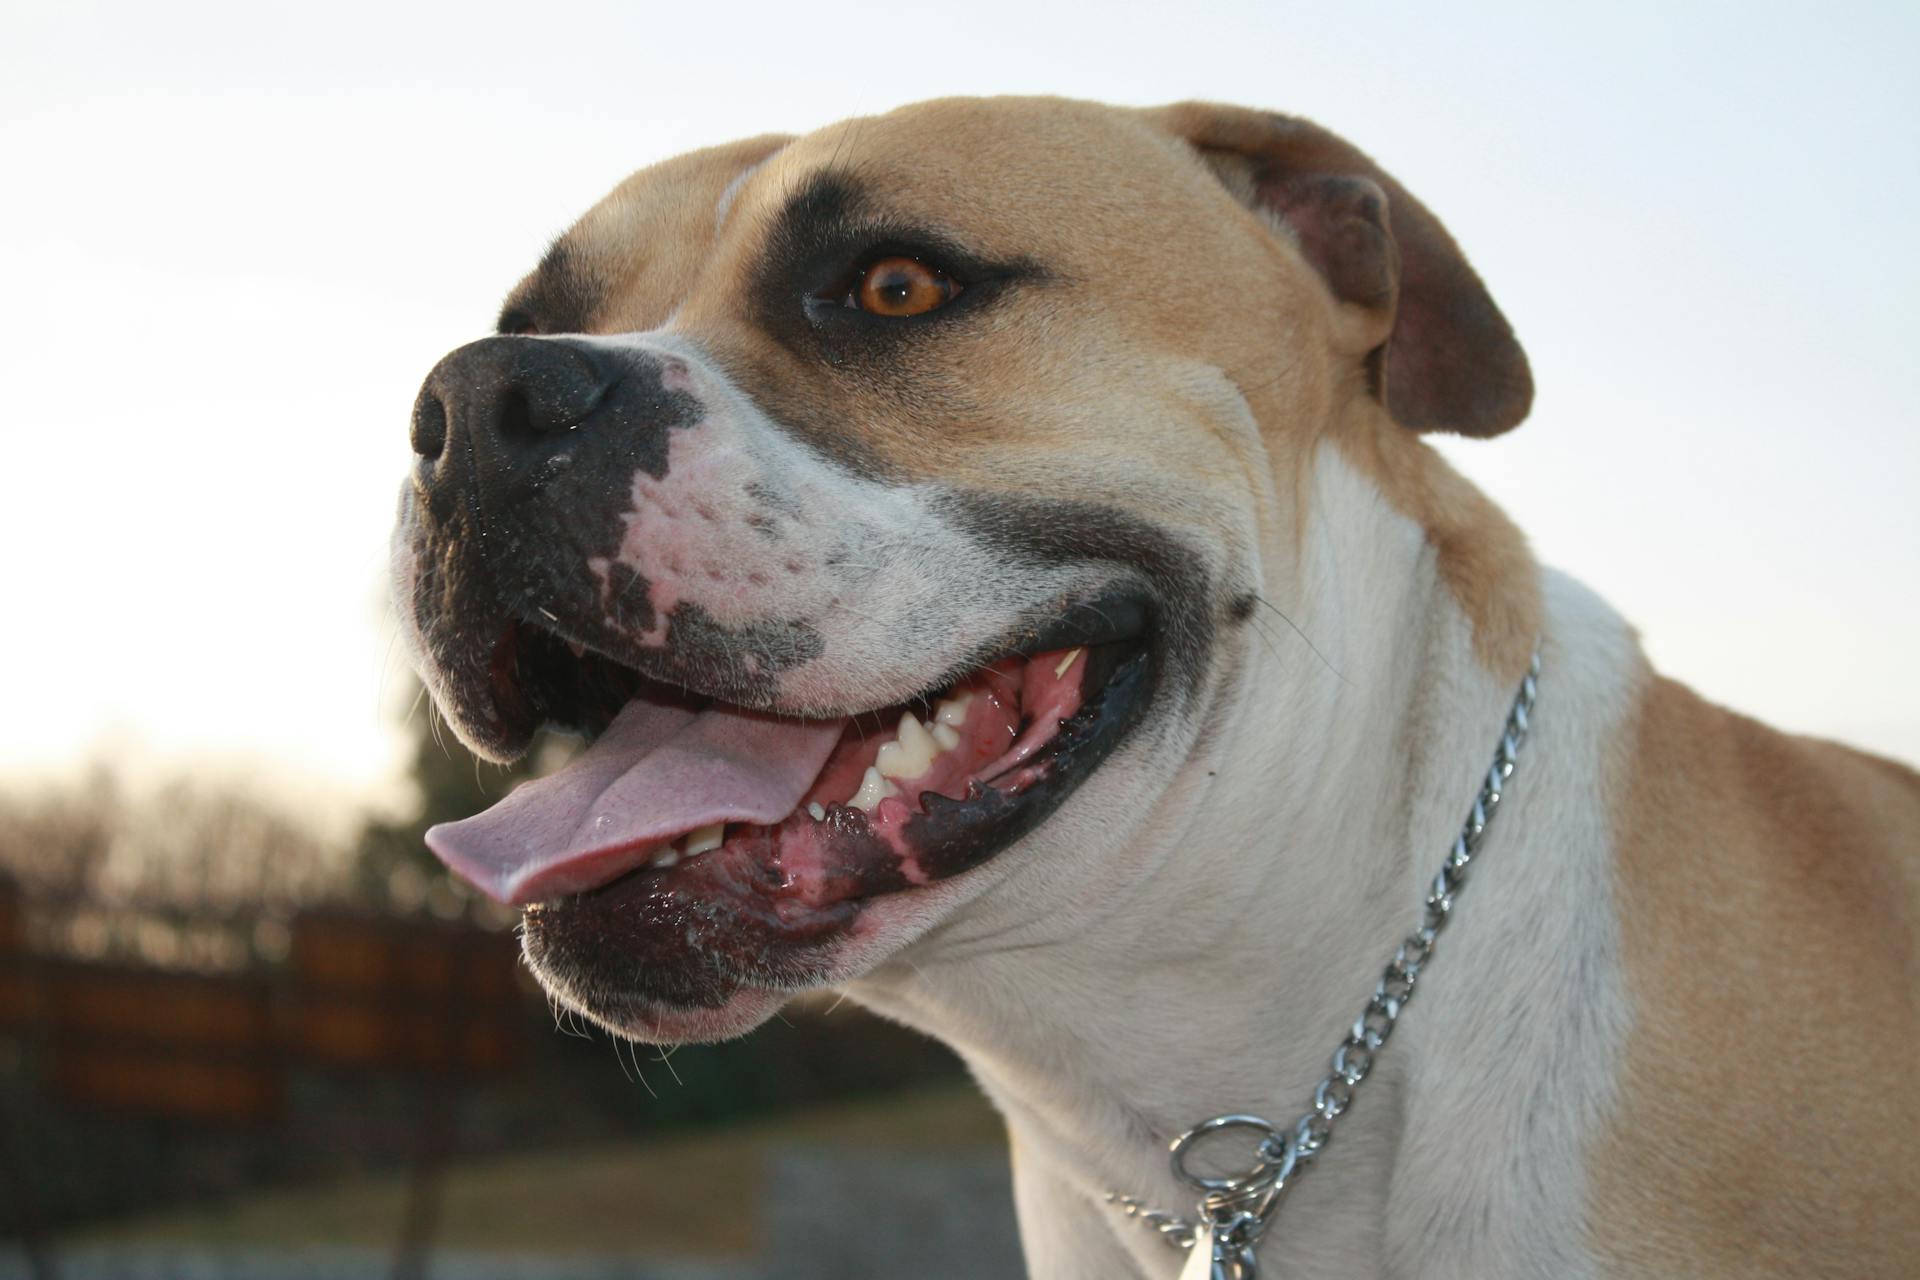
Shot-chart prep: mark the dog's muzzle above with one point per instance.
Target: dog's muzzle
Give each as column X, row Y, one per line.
column 557, row 574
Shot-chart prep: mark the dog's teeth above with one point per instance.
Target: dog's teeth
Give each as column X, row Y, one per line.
column 873, row 789
column 947, row 736
column 910, row 752
column 817, row 811
column 702, row 839
column 667, row 857
column 1065, row 662
column 953, row 711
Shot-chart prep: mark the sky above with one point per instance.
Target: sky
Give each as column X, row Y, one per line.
column 236, row 236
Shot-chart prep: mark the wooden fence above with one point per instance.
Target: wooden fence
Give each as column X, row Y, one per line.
column 356, row 992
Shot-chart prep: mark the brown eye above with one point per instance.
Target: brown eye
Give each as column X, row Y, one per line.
column 903, row 287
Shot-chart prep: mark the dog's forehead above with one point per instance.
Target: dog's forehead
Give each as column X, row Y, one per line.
column 997, row 168
column 998, row 172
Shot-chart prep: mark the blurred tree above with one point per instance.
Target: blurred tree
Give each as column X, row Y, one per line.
column 56, row 840
column 183, row 871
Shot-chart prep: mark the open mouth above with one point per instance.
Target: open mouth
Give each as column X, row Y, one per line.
column 688, row 801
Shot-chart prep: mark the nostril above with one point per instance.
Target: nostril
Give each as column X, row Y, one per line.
column 503, row 411
column 429, row 433
column 516, row 415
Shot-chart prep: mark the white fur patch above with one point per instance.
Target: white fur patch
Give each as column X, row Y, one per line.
column 724, row 205
column 1150, row 973
column 1521, row 1021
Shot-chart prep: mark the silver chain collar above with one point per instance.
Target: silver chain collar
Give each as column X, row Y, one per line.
column 1235, row 1212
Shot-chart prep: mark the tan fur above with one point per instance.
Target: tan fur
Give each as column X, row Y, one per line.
column 1769, row 897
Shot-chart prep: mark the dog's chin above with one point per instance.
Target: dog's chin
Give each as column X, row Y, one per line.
column 701, row 862
column 641, row 983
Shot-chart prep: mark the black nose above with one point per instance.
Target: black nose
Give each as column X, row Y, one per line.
column 514, row 402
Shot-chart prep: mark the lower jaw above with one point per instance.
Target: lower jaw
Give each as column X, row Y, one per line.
column 659, row 993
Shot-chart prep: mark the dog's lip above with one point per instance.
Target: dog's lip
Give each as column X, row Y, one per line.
column 1118, row 614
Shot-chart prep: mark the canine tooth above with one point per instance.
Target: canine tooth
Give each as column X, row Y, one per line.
column 910, row 752
column 668, row 857
column 947, row 736
column 702, row 839
column 873, row 789
column 1065, row 663
column 913, row 734
column 953, row 711
column 817, row 812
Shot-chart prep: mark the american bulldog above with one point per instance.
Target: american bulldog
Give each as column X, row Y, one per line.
column 992, row 551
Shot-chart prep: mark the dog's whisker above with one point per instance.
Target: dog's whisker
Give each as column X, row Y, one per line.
column 633, row 1052
column 665, row 1058
column 617, row 1057
column 1305, row 639
column 387, row 668
column 1265, row 634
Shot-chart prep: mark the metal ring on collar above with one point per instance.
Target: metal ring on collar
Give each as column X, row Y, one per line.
column 1267, row 1171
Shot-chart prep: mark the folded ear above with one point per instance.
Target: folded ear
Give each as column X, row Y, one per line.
column 1450, row 361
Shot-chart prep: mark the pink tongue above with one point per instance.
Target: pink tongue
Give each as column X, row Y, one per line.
column 655, row 773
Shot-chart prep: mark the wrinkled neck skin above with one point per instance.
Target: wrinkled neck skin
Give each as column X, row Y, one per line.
column 1234, row 937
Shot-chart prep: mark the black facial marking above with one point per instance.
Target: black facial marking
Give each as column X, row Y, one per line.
column 1242, row 607
column 823, row 238
column 823, row 351
column 1051, row 532
column 774, row 499
column 558, row 297
column 738, row 664
column 627, row 603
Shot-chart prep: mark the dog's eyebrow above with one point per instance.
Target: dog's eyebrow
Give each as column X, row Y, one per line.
column 831, row 215
column 817, row 213
column 558, row 297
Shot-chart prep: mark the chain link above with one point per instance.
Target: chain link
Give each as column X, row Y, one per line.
column 1178, row 1231
column 1249, row 1201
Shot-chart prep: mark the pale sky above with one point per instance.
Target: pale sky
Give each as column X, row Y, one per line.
column 235, row 237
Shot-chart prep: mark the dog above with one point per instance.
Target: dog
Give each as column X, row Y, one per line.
column 993, row 552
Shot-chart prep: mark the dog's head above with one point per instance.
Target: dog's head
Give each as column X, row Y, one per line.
column 884, row 503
